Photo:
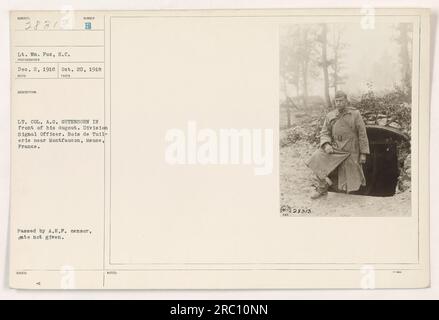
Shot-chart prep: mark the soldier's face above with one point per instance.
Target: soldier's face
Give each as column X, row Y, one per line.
column 340, row 102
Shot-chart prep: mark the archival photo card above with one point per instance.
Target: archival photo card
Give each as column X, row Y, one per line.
column 346, row 104
column 220, row 149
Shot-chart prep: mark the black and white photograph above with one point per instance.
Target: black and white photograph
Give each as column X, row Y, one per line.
column 345, row 119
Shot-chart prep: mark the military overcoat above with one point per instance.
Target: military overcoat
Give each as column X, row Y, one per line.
column 346, row 132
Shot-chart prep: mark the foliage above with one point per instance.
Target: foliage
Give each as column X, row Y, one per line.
column 307, row 131
column 389, row 109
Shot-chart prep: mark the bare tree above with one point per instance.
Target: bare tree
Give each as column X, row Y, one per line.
column 308, row 57
column 298, row 59
column 289, row 59
column 337, row 47
column 289, row 68
column 404, row 39
column 324, row 63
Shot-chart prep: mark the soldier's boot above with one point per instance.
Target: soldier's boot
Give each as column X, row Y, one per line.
column 321, row 187
column 317, row 194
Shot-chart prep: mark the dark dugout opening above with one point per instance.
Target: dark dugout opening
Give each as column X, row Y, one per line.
column 382, row 165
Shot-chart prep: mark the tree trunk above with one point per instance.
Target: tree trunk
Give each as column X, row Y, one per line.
column 305, row 68
column 335, row 68
column 325, row 64
column 287, row 105
column 406, row 69
column 305, row 84
column 336, row 48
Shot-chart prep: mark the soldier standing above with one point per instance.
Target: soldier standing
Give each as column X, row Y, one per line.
column 342, row 151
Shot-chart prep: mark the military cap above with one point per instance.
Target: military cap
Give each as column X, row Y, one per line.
column 340, row 94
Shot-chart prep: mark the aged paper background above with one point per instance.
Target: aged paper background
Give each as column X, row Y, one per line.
column 274, row 237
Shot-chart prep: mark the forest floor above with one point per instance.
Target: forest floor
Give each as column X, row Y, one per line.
column 296, row 187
